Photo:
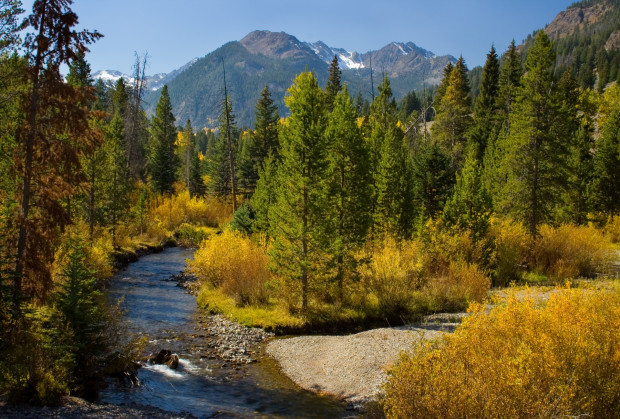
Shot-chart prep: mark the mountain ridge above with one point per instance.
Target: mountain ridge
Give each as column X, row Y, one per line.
column 275, row 58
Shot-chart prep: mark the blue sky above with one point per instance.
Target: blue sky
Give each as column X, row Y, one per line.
column 174, row 32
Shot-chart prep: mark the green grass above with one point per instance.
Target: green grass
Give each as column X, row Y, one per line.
column 271, row 317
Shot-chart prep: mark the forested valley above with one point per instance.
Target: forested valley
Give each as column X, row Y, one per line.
column 345, row 214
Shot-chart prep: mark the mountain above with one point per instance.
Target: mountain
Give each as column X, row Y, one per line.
column 269, row 58
column 154, row 82
column 587, row 42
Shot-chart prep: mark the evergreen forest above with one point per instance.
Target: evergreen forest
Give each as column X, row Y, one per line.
column 342, row 216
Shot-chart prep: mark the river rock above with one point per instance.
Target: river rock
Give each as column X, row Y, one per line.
column 165, row 357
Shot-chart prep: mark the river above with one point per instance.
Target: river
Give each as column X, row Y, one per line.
column 170, row 319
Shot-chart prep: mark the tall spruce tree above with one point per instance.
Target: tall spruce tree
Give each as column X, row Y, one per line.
column 575, row 125
column 219, row 163
column 390, row 165
column 453, row 116
column 432, row 179
column 509, row 82
column 606, row 182
column 469, row 207
column 534, row 162
column 485, row 111
column 163, row 160
column 116, row 181
column 350, row 185
column 298, row 223
column 334, row 85
column 264, row 139
column 443, row 86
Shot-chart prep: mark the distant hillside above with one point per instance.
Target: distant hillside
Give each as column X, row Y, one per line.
column 587, row 41
column 264, row 57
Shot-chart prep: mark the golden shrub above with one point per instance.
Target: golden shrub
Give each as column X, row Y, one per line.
column 571, row 251
column 235, row 264
column 393, row 272
column 612, row 230
column 463, row 283
column 512, row 245
column 523, row 359
column 169, row 212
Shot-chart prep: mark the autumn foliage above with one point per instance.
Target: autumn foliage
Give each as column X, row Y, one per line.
column 523, row 359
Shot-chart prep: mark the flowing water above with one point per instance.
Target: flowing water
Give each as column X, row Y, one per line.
column 170, row 319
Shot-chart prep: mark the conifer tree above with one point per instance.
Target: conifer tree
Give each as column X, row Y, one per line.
column 333, row 85
column 57, row 141
column 453, row 115
column 120, row 98
column 298, row 225
column 116, row 181
column 163, row 160
column 509, row 82
column 264, row 197
column 606, row 183
column 443, row 86
column 264, row 138
column 485, row 110
column 575, row 126
column 469, row 207
column 219, row 164
column 432, row 179
column 390, row 165
column 534, row 162
column 196, row 183
column 350, row 183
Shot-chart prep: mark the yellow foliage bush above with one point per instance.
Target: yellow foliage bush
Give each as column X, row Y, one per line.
column 463, row 283
column 393, row 272
column 521, row 360
column 612, row 230
column 169, row 212
column 445, row 247
column 570, row 251
column 235, row 264
column 512, row 245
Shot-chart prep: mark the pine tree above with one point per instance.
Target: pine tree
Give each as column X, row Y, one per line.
column 120, row 97
column 56, row 142
column 575, row 126
column 443, row 86
column 163, row 160
column 350, row 185
column 535, row 153
column 509, row 83
column 264, row 140
column 264, row 197
column 333, row 85
column 298, row 222
column 219, row 165
column 453, row 115
column 116, row 182
column 469, row 208
column 485, row 110
column 390, row 165
column 606, row 184
column 196, row 182
column 432, row 179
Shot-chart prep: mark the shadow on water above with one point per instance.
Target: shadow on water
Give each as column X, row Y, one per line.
column 170, row 319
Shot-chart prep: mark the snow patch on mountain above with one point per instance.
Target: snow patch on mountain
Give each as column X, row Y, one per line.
column 346, row 59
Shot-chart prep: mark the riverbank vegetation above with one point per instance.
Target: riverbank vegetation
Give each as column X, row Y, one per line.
column 341, row 215
column 524, row 358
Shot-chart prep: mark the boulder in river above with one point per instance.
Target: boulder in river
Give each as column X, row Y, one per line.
column 165, row 357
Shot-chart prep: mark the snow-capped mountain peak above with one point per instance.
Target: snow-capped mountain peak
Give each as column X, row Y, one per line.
column 346, row 59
